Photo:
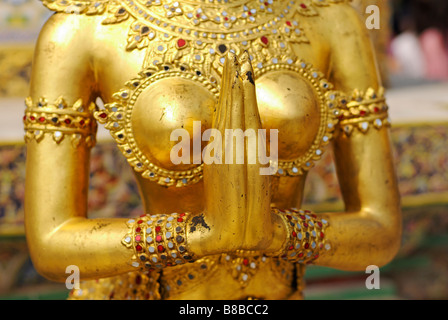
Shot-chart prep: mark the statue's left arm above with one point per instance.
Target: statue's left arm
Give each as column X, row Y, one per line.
column 368, row 232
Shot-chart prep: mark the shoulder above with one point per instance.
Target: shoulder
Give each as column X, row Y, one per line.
column 89, row 7
column 65, row 30
column 66, row 37
column 339, row 15
column 109, row 11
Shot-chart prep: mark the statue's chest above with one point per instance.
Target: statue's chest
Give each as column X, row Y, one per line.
column 178, row 86
column 175, row 109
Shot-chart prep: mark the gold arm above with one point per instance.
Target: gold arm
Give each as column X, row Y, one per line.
column 60, row 130
column 57, row 169
column 369, row 231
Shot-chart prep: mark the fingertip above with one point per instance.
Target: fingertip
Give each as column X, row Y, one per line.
column 245, row 56
column 231, row 57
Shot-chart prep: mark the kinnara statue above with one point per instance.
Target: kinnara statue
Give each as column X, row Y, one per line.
column 211, row 231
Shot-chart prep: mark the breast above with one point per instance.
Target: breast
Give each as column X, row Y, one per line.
column 286, row 102
column 167, row 105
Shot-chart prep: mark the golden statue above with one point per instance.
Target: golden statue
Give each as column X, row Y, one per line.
column 218, row 231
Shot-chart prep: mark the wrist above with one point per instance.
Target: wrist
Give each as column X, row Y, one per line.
column 158, row 241
column 305, row 237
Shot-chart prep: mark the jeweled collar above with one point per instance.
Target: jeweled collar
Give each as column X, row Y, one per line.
column 173, row 8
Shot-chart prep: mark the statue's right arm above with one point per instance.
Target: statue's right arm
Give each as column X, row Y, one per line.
column 59, row 233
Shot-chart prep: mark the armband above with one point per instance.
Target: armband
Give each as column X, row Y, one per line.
column 362, row 111
column 60, row 121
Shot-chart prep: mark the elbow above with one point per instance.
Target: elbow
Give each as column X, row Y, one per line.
column 388, row 238
column 44, row 260
column 387, row 254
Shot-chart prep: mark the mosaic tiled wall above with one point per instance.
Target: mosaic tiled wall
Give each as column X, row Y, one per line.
column 21, row 20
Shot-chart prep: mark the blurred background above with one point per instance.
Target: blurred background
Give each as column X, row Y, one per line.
column 412, row 50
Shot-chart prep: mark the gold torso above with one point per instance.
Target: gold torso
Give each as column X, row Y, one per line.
column 279, row 45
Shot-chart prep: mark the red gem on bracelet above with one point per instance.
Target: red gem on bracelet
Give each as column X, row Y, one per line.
column 67, row 121
column 103, row 116
column 291, row 247
column 300, row 254
column 321, row 234
column 182, row 215
column 140, row 221
column 289, row 23
column 32, row 118
column 42, row 119
column 289, row 217
column 158, row 228
column 160, row 248
column 319, row 224
column 138, row 238
column 246, row 262
column 307, row 245
column 362, row 113
column 138, row 229
column 302, row 217
column 138, row 247
column 180, row 220
column 159, row 238
column 138, row 279
column 294, row 234
column 305, row 225
column 303, row 6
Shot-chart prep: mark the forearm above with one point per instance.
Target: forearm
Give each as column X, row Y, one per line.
column 345, row 240
column 92, row 245
column 106, row 247
column 357, row 240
